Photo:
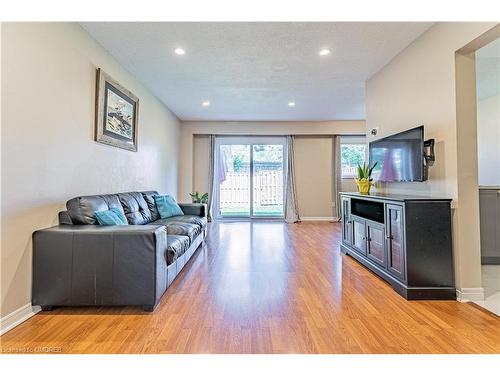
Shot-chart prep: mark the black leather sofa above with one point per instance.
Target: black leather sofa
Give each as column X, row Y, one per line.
column 80, row 263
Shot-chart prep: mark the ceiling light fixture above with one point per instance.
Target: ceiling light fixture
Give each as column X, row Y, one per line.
column 206, row 103
column 179, row 51
column 324, row 52
column 291, row 104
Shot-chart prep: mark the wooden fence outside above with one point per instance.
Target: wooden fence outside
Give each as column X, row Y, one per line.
column 349, row 171
column 267, row 190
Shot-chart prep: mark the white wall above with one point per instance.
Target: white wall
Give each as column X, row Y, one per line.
column 418, row 88
column 48, row 152
column 200, row 163
column 313, row 176
column 488, row 141
column 188, row 156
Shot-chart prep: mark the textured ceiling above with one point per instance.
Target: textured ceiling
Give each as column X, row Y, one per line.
column 488, row 70
column 250, row 71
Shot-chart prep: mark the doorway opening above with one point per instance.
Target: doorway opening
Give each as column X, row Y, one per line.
column 250, row 177
column 477, row 163
column 488, row 139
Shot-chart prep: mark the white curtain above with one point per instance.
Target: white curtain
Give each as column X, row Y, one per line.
column 336, row 176
column 291, row 207
column 211, row 176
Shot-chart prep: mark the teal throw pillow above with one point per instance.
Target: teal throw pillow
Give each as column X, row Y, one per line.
column 167, row 206
column 113, row 216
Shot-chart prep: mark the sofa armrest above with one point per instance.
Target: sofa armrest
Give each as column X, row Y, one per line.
column 198, row 209
column 99, row 265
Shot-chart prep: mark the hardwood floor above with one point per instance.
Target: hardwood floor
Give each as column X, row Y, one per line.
column 268, row 287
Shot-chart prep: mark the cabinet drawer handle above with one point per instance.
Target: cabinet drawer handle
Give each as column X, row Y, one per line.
column 389, row 237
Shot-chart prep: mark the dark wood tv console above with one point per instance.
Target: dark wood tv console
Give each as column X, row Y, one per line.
column 406, row 240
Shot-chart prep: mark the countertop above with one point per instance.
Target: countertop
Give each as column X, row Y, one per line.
column 394, row 197
column 489, row 187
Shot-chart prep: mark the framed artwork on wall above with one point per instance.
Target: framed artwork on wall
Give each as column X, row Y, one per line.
column 117, row 112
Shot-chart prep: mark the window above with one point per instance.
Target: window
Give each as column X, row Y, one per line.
column 351, row 154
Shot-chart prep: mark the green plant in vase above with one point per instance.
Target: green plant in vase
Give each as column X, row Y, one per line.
column 364, row 178
column 197, row 198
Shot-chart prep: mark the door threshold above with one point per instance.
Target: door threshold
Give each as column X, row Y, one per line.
column 233, row 219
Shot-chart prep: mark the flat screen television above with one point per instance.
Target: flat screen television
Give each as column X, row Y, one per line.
column 399, row 157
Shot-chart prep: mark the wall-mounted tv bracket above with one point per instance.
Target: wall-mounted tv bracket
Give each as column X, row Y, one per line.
column 429, row 152
column 429, row 156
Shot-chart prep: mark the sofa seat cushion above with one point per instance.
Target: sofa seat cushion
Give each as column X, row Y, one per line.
column 191, row 219
column 176, row 246
column 181, row 229
column 135, row 207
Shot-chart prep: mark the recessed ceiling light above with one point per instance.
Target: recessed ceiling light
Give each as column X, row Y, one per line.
column 179, row 51
column 291, row 104
column 206, row 103
column 324, row 52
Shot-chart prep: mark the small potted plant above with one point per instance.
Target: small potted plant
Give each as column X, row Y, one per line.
column 197, row 198
column 364, row 179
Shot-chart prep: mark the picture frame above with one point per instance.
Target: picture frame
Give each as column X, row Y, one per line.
column 117, row 113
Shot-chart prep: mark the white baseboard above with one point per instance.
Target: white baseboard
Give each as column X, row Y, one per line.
column 17, row 317
column 470, row 294
column 318, row 218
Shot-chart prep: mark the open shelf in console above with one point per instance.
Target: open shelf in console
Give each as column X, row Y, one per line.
column 367, row 209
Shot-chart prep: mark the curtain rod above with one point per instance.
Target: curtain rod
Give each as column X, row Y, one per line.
column 279, row 135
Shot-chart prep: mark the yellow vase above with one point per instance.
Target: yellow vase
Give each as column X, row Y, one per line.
column 364, row 185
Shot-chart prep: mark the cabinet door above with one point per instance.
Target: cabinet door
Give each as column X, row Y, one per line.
column 376, row 243
column 395, row 241
column 359, row 236
column 346, row 221
column 489, row 214
column 497, row 243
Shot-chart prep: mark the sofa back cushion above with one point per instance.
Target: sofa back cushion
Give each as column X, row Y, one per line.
column 82, row 210
column 148, row 197
column 135, row 207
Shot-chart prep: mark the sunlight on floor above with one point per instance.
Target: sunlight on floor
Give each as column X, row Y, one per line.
column 491, row 285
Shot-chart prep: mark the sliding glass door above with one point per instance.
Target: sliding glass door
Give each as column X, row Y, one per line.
column 233, row 173
column 267, row 180
column 250, row 177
